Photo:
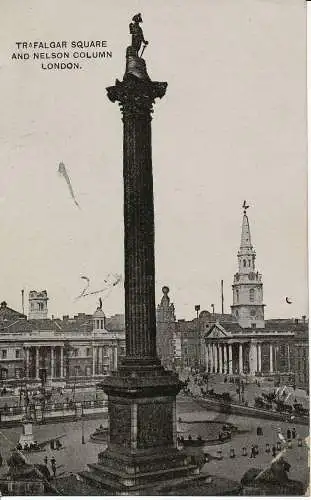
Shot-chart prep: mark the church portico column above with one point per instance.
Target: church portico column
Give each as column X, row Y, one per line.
column 213, row 357
column 240, row 358
column 216, row 358
column 230, row 369
column 37, row 362
column 259, row 357
column 206, row 358
column 52, row 363
column 210, row 358
column 61, row 362
column 288, row 358
column 220, row 358
column 225, row 359
column 253, row 358
column 271, row 358
column 94, row 359
column 27, row 362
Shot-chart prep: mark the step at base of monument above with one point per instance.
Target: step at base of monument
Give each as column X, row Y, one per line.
column 203, row 484
column 127, row 474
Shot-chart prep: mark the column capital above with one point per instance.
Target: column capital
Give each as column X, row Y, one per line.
column 136, row 96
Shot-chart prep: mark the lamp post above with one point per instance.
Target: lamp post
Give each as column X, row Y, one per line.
column 198, row 346
column 82, row 424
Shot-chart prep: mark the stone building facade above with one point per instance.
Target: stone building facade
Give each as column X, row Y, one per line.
column 82, row 348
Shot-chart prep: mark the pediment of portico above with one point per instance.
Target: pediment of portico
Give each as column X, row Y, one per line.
column 217, row 331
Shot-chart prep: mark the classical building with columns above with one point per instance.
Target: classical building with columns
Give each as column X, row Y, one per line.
column 242, row 342
column 82, row 348
column 247, row 344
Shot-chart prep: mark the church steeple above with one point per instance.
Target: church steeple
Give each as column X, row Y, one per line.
column 246, row 233
column 247, row 286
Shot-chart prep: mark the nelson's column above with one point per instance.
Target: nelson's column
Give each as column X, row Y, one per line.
column 142, row 455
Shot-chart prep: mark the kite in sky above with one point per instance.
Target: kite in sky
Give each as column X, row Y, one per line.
column 62, row 171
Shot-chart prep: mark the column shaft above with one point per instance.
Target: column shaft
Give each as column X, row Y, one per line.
column 288, row 358
column 52, row 362
column 215, row 358
column 94, row 359
column 61, row 362
column 230, row 368
column 241, row 358
column 220, row 358
column 259, row 358
column 253, row 358
column 140, row 322
column 37, row 362
column 271, row 358
column 27, row 362
column 225, row 359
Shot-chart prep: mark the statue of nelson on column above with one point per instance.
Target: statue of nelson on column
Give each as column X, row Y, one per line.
column 135, row 64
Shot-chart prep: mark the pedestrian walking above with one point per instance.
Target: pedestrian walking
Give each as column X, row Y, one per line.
column 53, row 466
column 274, row 451
column 294, row 433
column 289, row 434
column 45, row 460
column 253, row 453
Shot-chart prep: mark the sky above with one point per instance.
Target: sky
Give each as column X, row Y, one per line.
column 232, row 126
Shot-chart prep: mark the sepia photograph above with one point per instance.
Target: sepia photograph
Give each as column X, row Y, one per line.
column 154, row 308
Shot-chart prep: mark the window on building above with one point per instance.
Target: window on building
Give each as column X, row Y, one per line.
column 244, row 262
column 101, row 324
column 4, row 353
column 253, row 325
column 98, row 324
column 18, row 373
column 88, row 351
column 17, row 353
column 237, row 295
column 3, row 373
column 76, row 352
column 252, row 295
column 88, row 371
column 253, row 312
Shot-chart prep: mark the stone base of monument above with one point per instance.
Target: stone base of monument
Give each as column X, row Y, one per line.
column 27, row 436
column 142, row 455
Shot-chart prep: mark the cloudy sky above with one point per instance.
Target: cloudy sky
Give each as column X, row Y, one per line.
column 232, row 126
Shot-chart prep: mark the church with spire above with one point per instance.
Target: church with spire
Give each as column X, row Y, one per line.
column 243, row 342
